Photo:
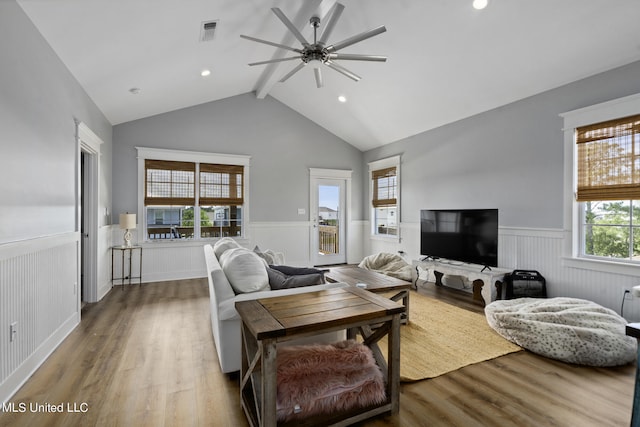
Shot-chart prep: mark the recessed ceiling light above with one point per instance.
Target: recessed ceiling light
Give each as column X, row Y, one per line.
column 342, row 98
column 134, row 90
column 205, row 73
column 480, row 4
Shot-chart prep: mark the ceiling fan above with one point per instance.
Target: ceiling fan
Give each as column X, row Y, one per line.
column 318, row 52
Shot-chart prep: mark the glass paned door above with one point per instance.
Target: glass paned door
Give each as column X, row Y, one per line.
column 328, row 219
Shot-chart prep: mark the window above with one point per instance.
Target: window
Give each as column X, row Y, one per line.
column 608, row 188
column 221, row 199
column 385, row 196
column 192, row 199
column 169, row 199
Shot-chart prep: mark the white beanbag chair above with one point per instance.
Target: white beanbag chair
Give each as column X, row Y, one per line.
column 390, row 264
column 567, row 329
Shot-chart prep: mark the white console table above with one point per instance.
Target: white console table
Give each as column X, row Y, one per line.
column 484, row 279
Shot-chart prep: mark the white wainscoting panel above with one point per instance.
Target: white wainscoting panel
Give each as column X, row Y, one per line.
column 356, row 234
column 184, row 259
column 162, row 262
column 105, row 241
column 39, row 292
column 521, row 248
column 541, row 250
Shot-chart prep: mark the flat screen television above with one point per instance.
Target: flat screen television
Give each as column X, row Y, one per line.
column 465, row 235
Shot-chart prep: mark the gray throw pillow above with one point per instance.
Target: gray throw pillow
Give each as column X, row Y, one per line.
column 295, row 271
column 279, row 280
column 264, row 255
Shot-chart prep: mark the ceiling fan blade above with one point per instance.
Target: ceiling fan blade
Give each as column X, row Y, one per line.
column 273, row 61
column 290, row 26
column 343, row 70
column 318, row 72
column 299, row 67
column 356, row 57
column 271, row 43
column 337, row 12
column 356, row 39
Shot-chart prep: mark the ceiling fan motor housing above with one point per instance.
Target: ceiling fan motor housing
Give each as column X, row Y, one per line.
column 315, row 51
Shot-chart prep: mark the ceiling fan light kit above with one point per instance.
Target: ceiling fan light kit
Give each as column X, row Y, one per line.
column 319, row 53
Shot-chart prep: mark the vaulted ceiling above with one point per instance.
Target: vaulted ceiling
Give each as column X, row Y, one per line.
column 446, row 60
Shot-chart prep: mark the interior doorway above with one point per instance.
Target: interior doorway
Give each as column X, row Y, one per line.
column 83, row 227
column 88, row 217
column 329, row 216
column 88, row 228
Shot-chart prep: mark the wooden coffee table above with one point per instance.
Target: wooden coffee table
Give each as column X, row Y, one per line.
column 268, row 321
column 376, row 283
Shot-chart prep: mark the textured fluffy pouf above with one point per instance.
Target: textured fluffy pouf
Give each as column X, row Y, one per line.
column 321, row 379
column 568, row 329
column 390, row 264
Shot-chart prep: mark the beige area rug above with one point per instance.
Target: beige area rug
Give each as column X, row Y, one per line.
column 441, row 338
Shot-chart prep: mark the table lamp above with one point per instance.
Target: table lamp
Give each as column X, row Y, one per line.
column 127, row 222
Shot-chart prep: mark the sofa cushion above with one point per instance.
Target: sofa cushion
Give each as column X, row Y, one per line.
column 224, row 244
column 294, row 271
column 280, row 280
column 245, row 270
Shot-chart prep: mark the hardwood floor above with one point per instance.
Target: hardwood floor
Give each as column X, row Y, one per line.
column 144, row 356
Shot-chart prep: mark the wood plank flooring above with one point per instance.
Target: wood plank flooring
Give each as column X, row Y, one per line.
column 144, row 356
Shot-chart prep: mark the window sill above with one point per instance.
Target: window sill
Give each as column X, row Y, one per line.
column 615, row 267
column 385, row 238
column 168, row 243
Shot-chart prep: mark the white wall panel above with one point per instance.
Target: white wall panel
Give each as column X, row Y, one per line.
column 541, row 250
column 39, row 292
column 172, row 260
column 105, row 241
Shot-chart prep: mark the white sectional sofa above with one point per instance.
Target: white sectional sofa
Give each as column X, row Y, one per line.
column 225, row 321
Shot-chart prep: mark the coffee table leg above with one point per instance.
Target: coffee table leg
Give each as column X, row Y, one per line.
column 352, row 333
column 393, row 351
column 404, row 295
column 269, row 383
column 405, row 302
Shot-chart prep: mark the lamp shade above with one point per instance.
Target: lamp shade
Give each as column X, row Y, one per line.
column 127, row 221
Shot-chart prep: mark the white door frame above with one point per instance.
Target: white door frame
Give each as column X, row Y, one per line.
column 316, row 175
column 89, row 144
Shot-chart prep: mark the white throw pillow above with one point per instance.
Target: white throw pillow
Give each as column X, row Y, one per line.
column 245, row 270
column 224, row 244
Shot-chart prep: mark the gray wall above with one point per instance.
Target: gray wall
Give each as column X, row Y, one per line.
column 510, row 158
column 283, row 145
column 39, row 243
column 39, row 100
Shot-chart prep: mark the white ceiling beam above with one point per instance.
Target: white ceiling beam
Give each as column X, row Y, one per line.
column 273, row 72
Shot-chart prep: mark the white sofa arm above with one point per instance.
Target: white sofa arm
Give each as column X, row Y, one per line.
column 227, row 309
